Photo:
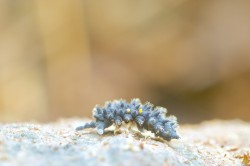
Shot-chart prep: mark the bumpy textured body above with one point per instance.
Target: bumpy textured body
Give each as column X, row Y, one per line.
column 144, row 115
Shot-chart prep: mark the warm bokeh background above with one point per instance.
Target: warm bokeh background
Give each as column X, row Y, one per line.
column 60, row 58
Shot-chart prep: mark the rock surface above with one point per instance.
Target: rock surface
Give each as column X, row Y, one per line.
column 210, row 143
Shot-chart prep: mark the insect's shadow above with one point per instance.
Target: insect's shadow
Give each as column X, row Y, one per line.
column 134, row 133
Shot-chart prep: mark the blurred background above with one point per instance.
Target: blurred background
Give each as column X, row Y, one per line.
column 60, row 58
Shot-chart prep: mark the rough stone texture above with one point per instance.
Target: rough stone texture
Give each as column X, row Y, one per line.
column 210, row 143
